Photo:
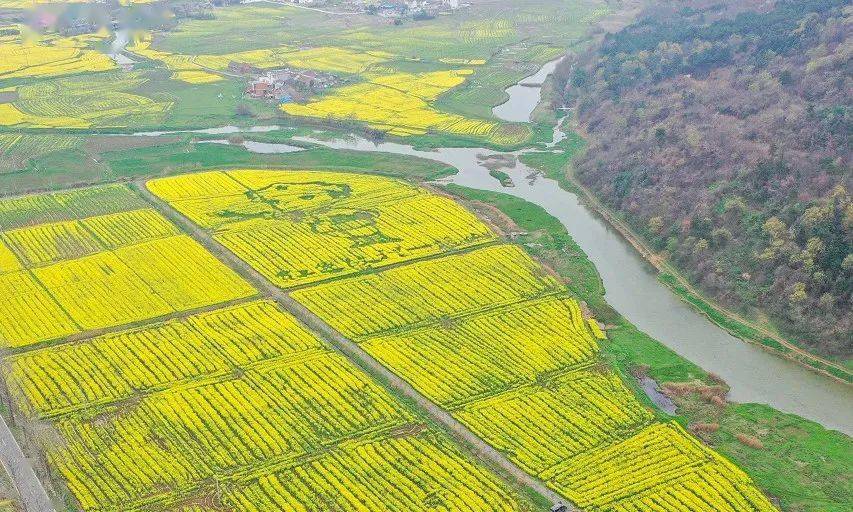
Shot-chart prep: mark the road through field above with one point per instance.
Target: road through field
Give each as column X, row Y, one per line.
column 348, row 347
column 33, row 495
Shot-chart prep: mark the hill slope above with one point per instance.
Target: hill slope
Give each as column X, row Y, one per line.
column 721, row 130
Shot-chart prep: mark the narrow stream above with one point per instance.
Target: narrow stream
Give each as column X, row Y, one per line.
column 524, row 96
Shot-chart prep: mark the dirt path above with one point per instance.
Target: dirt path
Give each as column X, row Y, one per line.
column 33, row 495
column 349, row 348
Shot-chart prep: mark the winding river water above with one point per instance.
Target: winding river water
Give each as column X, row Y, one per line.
column 524, row 96
column 633, row 289
column 754, row 374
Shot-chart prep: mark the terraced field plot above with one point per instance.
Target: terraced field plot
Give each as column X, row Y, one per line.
column 303, row 227
column 102, row 100
column 48, row 55
column 95, row 258
column 488, row 335
column 244, row 397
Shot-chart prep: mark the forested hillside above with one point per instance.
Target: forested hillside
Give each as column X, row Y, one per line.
column 721, row 130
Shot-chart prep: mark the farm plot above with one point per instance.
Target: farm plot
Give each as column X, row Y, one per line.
column 62, row 379
column 245, row 397
column 18, row 149
column 28, row 210
column 660, row 468
column 483, row 354
column 49, row 56
column 299, row 227
column 398, row 104
column 105, row 100
column 429, row 291
column 98, row 271
column 203, row 68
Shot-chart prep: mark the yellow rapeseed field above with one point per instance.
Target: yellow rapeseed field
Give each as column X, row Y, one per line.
column 98, row 271
column 245, row 397
column 205, row 68
column 303, row 227
column 243, row 403
column 399, row 104
column 492, row 338
column 429, row 291
column 38, row 56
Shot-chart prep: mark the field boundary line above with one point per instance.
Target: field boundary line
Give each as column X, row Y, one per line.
column 140, row 324
column 350, row 349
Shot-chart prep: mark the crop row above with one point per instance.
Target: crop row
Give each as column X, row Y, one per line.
column 428, row 291
column 481, row 355
column 61, row 379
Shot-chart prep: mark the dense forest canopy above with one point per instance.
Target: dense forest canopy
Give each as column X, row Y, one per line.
column 722, row 130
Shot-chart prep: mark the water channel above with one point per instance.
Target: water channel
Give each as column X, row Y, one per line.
column 524, row 96
column 633, row 289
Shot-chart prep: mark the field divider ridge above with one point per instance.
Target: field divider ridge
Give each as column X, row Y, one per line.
column 347, row 347
column 104, row 331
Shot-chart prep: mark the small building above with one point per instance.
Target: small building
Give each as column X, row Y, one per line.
column 559, row 507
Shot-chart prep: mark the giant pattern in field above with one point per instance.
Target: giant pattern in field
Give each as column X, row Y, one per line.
column 99, row 267
column 303, row 227
column 491, row 337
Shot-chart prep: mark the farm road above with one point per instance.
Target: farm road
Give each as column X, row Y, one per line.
column 32, row 492
column 348, row 347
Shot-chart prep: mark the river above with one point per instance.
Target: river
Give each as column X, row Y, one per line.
column 753, row 374
column 633, row 289
column 524, row 96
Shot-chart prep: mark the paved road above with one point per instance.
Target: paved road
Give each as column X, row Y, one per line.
column 348, row 347
column 32, row 493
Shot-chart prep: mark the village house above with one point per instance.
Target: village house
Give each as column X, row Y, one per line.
column 287, row 85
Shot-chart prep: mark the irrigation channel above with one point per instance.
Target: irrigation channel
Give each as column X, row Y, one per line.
column 753, row 374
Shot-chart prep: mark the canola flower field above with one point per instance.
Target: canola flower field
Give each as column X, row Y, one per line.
column 236, row 408
column 490, row 336
column 24, row 55
column 204, row 68
column 96, row 258
column 244, row 396
column 303, row 227
column 398, row 104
